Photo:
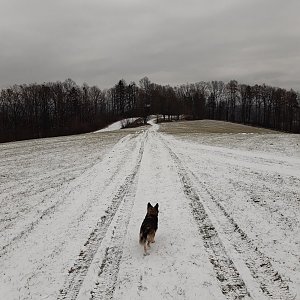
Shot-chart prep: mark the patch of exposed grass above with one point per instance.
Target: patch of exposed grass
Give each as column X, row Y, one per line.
column 210, row 126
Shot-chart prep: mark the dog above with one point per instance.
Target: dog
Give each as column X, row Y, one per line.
column 149, row 227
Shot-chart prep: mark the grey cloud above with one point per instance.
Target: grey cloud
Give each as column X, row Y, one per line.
column 169, row 41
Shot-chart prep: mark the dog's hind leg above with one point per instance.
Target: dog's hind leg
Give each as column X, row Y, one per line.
column 145, row 250
column 150, row 238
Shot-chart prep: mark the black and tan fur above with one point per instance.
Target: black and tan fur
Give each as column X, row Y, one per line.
column 149, row 226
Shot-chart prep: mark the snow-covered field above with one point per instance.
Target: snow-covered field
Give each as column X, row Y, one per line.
column 229, row 199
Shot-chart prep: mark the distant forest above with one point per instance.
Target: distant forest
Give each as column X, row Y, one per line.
column 64, row 108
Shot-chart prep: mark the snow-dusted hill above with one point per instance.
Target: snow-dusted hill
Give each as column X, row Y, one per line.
column 71, row 208
column 117, row 125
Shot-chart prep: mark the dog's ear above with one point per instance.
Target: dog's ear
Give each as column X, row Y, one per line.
column 149, row 205
column 156, row 206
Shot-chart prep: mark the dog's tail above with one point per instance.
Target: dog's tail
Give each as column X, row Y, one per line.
column 143, row 238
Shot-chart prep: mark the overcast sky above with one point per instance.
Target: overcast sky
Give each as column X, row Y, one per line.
column 170, row 41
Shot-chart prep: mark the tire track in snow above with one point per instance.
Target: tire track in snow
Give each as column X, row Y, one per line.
column 256, row 183
column 270, row 281
column 45, row 261
column 110, row 179
column 109, row 267
column 51, row 209
column 232, row 285
column 110, row 264
column 260, row 266
column 92, row 190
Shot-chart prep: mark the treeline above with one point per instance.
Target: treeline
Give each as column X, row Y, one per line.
column 50, row 109
column 63, row 108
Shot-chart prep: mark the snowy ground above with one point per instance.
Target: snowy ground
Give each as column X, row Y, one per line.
column 71, row 208
column 117, row 125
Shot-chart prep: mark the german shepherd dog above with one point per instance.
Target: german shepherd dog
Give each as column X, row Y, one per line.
column 149, row 227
